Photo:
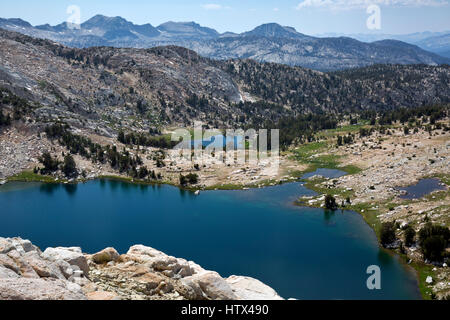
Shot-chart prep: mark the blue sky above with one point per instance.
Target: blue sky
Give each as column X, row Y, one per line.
column 307, row 16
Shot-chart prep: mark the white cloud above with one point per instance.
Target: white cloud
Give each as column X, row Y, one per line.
column 214, row 6
column 314, row 3
column 354, row 4
column 276, row 9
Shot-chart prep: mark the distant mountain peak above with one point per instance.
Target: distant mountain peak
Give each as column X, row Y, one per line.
column 101, row 18
column 189, row 29
column 178, row 24
column 17, row 22
column 273, row 30
column 101, row 21
column 116, row 27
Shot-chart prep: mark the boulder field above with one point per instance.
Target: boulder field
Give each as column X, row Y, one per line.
column 143, row 273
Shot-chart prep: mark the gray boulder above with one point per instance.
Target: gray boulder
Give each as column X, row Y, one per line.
column 72, row 256
column 44, row 268
column 213, row 286
column 247, row 288
column 160, row 261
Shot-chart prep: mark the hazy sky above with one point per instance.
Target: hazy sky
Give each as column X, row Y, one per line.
column 307, row 16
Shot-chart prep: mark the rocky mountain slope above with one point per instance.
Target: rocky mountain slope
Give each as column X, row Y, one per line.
column 139, row 88
column 266, row 43
column 143, row 273
column 103, row 89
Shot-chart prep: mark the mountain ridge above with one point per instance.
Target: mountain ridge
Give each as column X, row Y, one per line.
column 269, row 42
column 436, row 42
column 273, row 30
column 105, row 87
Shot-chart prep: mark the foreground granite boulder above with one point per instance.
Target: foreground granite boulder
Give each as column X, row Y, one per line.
column 72, row 255
column 143, row 273
column 159, row 261
column 213, row 285
column 246, row 288
column 39, row 289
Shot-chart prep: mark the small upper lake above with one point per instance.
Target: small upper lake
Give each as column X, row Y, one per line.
column 303, row 253
column 324, row 172
column 216, row 141
column 422, row 188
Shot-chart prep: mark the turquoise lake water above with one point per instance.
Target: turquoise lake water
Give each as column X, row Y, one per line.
column 303, row 253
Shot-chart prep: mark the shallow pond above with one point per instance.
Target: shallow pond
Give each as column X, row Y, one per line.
column 327, row 173
column 422, row 188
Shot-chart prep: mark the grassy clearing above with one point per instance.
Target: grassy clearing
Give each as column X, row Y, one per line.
column 317, row 186
column 369, row 214
column 135, row 181
column 228, row 186
column 423, row 271
column 343, row 130
column 444, row 177
column 437, row 195
column 116, row 178
column 312, row 154
column 29, row 176
column 311, row 148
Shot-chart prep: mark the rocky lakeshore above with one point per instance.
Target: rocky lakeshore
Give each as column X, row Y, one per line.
column 143, row 273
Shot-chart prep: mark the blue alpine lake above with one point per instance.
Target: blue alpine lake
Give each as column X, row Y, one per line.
column 302, row 253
